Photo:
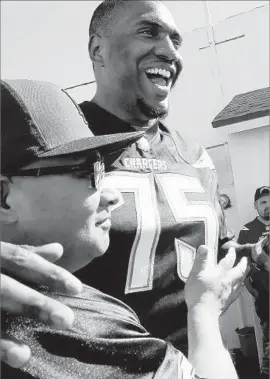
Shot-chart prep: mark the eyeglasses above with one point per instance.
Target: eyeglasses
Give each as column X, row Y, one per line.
column 95, row 171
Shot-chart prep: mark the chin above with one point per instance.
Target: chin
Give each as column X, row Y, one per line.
column 102, row 246
column 156, row 110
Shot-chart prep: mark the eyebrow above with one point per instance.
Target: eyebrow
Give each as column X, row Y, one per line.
column 173, row 32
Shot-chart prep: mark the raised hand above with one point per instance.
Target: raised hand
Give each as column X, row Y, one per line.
column 214, row 286
column 260, row 252
column 33, row 264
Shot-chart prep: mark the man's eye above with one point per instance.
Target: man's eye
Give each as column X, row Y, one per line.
column 148, row 32
column 176, row 42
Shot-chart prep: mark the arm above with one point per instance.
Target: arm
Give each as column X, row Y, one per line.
column 256, row 251
column 207, row 353
column 209, row 291
column 33, row 265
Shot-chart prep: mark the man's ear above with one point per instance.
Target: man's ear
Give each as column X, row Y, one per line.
column 95, row 50
column 256, row 206
column 7, row 213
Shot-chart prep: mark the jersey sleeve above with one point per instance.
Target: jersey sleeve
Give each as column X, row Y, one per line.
column 106, row 341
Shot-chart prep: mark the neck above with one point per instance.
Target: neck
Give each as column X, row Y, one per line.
column 149, row 126
column 266, row 222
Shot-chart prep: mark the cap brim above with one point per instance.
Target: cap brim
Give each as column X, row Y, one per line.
column 104, row 144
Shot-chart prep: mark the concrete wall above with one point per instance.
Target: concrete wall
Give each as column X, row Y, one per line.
column 250, row 161
column 209, row 82
column 249, row 151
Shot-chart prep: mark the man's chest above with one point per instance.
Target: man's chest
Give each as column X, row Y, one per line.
column 256, row 231
column 168, row 211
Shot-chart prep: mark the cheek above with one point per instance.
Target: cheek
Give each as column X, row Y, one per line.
column 123, row 63
column 76, row 205
column 91, row 203
column 119, row 52
column 81, row 209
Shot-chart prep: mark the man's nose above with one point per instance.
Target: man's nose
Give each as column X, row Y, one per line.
column 165, row 49
column 110, row 198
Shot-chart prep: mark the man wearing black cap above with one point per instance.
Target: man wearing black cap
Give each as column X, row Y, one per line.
column 259, row 227
column 252, row 232
column 53, row 190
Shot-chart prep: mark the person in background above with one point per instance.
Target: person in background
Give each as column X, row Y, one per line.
column 53, row 188
column 257, row 282
column 225, row 201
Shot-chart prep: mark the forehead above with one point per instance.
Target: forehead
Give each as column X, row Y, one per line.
column 223, row 198
column 75, row 159
column 140, row 12
column 264, row 198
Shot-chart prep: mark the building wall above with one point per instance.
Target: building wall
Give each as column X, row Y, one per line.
column 249, row 151
column 250, row 160
column 210, row 81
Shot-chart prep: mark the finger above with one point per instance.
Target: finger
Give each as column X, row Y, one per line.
column 258, row 248
column 51, row 252
column 13, row 352
column 250, row 287
column 17, row 298
column 264, row 238
column 238, row 273
column 201, row 259
column 29, row 266
column 228, row 261
column 237, row 291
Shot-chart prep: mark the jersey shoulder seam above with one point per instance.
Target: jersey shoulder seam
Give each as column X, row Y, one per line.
column 192, row 147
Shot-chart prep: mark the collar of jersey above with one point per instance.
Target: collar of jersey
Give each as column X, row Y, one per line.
column 102, row 122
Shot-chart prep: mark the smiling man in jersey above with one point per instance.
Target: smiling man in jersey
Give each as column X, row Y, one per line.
column 169, row 185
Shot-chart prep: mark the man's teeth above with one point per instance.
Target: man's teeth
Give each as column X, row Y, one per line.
column 164, row 73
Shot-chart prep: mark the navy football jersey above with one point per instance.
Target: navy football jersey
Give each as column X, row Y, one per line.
column 252, row 232
column 170, row 208
column 106, row 341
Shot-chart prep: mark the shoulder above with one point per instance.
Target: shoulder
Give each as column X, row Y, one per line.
column 85, row 106
column 248, row 226
column 189, row 149
column 88, row 111
column 101, row 309
column 245, row 232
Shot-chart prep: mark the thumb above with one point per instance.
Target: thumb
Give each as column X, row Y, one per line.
column 51, row 252
column 201, row 259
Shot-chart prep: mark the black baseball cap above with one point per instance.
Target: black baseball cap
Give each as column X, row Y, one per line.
column 40, row 120
column 261, row 191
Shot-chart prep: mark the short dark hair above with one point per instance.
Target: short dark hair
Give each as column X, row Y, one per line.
column 106, row 14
